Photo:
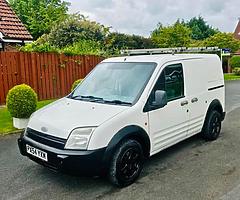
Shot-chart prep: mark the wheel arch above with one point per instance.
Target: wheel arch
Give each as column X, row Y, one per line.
column 216, row 105
column 129, row 132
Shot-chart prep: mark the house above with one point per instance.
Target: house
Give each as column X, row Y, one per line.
column 226, row 59
column 236, row 34
column 237, row 31
column 13, row 33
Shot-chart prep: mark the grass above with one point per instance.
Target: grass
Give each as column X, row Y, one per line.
column 230, row 77
column 6, row 124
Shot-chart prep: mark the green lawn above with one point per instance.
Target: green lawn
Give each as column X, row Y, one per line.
column 6, row 125
column 228, row 77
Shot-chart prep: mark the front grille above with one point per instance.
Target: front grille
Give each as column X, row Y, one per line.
column 48, row 140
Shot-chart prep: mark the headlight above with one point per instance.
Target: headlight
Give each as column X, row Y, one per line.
column 79, row 138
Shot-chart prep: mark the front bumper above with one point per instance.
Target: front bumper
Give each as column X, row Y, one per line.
column 81, row 162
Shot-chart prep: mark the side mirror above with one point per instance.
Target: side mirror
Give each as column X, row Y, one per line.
column 160, row 99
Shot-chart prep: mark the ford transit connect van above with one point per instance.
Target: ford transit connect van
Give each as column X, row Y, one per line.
column 128, row 109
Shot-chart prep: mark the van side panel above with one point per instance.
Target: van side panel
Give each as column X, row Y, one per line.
column 214, row 72
column 216, row 86
column 196, row 91
column 204, row 83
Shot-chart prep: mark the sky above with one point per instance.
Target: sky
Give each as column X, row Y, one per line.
column 142, row 16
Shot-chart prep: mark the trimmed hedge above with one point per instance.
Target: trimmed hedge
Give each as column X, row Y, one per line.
column 75, row 84
column 21, row 101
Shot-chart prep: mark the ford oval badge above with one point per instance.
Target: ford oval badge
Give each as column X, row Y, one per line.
column 44, row 129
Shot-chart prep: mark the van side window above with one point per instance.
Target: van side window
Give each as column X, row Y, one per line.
column 171, row 80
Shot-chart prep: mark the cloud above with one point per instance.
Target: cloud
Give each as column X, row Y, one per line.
column 142, row 16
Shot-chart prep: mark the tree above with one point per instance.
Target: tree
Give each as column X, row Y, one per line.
column 200, row 29
column 235, row 62
column 177, row 35
column 39, row 15
column 75, row 28
column 117, row 41
column 223, row 40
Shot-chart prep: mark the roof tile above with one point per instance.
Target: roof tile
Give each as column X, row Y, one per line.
column 10, row 24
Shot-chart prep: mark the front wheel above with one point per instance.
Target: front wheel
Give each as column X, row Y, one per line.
column 126, row 164
column 212, row 126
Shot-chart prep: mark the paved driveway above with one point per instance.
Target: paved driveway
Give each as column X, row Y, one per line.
column 193, row 169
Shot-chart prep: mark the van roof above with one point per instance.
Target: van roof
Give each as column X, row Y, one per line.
column 160, row 58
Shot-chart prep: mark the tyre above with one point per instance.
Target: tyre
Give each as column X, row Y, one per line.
column 212, row 126
column 126, row 164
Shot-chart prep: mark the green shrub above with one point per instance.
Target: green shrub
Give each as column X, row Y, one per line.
column 75, row 84
column 40, row 45
column 236, row 71
column 41, row 48
column 21, row 101
column 76, row 28
column 83, row 47
column 235, row 62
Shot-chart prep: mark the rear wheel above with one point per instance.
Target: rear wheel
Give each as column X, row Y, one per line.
column 212, row 126
column 126, row 164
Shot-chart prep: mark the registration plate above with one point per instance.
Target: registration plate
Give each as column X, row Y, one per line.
column 36, row 152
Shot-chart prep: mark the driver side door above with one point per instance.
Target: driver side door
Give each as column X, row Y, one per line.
column 169, row 124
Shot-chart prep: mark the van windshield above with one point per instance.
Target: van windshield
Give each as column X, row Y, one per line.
column 115, row 83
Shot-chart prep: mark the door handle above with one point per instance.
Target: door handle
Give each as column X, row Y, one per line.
column 194, row 100
column 183, row 103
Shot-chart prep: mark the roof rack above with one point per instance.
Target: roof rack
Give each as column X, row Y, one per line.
column 170, row 50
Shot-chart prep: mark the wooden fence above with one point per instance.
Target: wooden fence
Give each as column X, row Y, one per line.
column 50, row 75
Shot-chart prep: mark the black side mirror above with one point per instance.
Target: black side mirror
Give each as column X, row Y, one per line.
column 160, row 99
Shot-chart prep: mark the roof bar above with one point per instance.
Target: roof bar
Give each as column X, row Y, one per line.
column 170, row 50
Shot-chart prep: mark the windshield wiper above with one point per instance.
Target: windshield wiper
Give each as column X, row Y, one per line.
column 86, row 97
column 118, row 102
column 93, row 98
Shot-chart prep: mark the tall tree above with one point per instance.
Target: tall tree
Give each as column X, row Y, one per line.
column 40, row 15
column 177, row 35
column 200, row 29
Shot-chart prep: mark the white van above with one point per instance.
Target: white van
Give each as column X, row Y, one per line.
column 128, row 109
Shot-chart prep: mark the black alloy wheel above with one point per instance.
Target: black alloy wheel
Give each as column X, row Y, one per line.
column 212, row 126
column 127, row 163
